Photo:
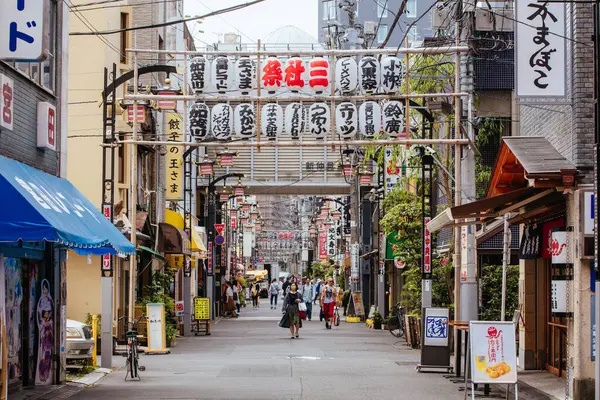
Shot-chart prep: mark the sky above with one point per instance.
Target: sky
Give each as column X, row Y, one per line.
column 253, row 22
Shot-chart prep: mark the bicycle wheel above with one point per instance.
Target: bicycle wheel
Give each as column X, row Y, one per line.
column 395, row 327
column 130, row 361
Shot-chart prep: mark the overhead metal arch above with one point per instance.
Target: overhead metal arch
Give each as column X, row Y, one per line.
column 168, row 69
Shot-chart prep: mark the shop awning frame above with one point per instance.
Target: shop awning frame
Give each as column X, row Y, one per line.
column 172, row 240
column 155, row 254
column 41, row 207
column 481, row 211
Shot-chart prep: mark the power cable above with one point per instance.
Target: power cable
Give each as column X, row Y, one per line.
column 379, row 23
column 122, row 5
column 212, row 14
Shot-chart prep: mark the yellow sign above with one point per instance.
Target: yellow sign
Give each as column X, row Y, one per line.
column 174, row 158
column 201, row 308
column 176, row 261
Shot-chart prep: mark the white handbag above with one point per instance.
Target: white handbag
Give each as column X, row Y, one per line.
column 302, row 306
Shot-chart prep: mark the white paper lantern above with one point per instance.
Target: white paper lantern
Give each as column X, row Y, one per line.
column 346, row 120
column 271, row 120
column 368, row 74
column 221, row 74
column 295, row 74
column 346, row 74
column 391, row 74
column 245, row 75
column 222, row 121
column 295, row 119
column 271, row 74
column 369, row 118
column 393, row 119
column 319, row 120
column 244, row 120
column 198, row 74
column 199, row 120
column 319, row 74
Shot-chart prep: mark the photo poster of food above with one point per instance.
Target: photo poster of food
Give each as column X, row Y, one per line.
column 493, row 352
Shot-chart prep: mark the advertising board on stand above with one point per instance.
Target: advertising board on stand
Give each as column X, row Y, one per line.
column 493, row 352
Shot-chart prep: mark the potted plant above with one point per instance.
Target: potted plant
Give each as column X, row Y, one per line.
column 377, row 320
column 170, row 333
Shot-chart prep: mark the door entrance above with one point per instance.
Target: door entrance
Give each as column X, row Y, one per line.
column 557, row 334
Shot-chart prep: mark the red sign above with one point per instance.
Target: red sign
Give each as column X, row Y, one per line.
column 106, row 258
column 219, row 228
column 141, row 114
column 6, row 102
column 323, row 244
column 46, row 126
column 547, row 236
column 427, row 244
column 233, row 223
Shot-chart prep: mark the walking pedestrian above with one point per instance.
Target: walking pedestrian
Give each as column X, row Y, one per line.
column 318, row 288
column 291, row 302
column 328, row 300
column 255, row 292
column 229, row 302
column 286, row 285
column 237, row 289
column 307, row 297
column 274, row 293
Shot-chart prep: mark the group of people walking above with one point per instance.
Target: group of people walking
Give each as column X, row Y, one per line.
column 298, row 302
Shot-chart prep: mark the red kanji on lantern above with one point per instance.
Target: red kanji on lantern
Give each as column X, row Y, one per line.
column 272, row 75
column 319, row 74
column 294, row 74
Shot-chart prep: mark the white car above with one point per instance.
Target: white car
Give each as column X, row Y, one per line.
column 80, row 343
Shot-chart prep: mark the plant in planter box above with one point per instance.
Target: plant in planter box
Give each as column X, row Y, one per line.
column 377, row 320
column 170, row 333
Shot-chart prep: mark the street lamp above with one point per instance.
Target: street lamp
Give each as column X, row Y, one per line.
column 336, row 215
column 365, row 177
column 238, row 190
column 347, row 167
column 206, row 166
column 225, row 158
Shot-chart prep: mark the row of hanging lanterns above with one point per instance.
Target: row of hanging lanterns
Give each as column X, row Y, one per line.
column 223, row 121
column 368, row 75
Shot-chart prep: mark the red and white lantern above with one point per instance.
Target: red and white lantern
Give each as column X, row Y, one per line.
column 295, row 74
column 319, row 74
column 271, row 74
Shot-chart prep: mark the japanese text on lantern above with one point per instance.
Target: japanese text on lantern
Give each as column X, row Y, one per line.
column 272, row 75
column 174, row 158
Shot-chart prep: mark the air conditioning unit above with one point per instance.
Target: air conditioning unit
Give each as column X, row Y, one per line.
column 496, row 20
column 370, row 27
column 442, row 16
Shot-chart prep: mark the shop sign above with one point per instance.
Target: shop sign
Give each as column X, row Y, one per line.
column 346, row 120
column 22, row 29
column 493, row 352
column 7, row 101
column 368, row 74
column 187, row 267
column 174, row 158
column 209, row 264
column 272, row 74
column 588, row 213
column 245, row 72
column 346, row 74
column 198, row 74
column 540, row 49
column 222, row 121
column 331, row 242
column 106, row 258
column 46, row 126
column 319, row 120
column 391, row 74
column 392, row 170
column 593, row 326
column 547, row 236
column 199, row 120
column 272, row 120
column 436, row 327
column 558, row 298
column 393, row 119
column 427, row 248
column 179, row 308
column 201, row 308
column 354, row 263
column 295, row 119
column 233, row 223
column 323, row 245
column 294, row 74
column 531, row 243
column 220, row 74
column 560, row 248
column 244, row 120
column 319, row 74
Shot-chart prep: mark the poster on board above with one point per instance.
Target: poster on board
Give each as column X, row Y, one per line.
column 357, row 300
column 436, row 327
column 493, row 352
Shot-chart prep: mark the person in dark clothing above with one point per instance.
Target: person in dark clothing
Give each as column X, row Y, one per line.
column 292, row 299
column 287, row 283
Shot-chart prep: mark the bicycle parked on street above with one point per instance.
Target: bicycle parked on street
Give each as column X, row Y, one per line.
column 396, row 321
column 132, row 365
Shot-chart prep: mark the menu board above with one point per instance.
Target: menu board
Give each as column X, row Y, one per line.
column 493, row 352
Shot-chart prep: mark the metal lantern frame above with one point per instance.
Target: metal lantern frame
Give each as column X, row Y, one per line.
column 225, row 158
column 239, row 189
column 206, row 166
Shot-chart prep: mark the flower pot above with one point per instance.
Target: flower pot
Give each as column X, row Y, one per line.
column 377, row 325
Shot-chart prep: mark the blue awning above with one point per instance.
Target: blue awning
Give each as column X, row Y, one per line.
column 36, row 206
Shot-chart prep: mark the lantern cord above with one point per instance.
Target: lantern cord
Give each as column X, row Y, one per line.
column 135, row 28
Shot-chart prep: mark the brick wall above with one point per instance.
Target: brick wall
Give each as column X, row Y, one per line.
column 148, row 14
column 570, row 126
column 21, row 143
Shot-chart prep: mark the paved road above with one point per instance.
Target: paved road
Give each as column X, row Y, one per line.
column 252, row 358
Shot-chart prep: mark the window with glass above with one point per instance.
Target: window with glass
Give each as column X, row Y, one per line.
column 43, row 72
column 382, row 33
column 382, row 11
column 413, row 34
column 329, row 10
column 411, row 9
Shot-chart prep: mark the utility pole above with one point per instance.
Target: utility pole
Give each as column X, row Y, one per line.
column 133, row 192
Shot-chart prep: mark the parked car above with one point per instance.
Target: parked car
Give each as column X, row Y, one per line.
column 80, row 343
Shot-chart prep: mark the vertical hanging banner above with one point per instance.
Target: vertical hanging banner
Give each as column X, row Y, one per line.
column 7, row 101
column 392, row 170
column 332, row 242
column 541, row 49
column 174, row 158
column 426, row 247
column 323, row 244
column 106, row 262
